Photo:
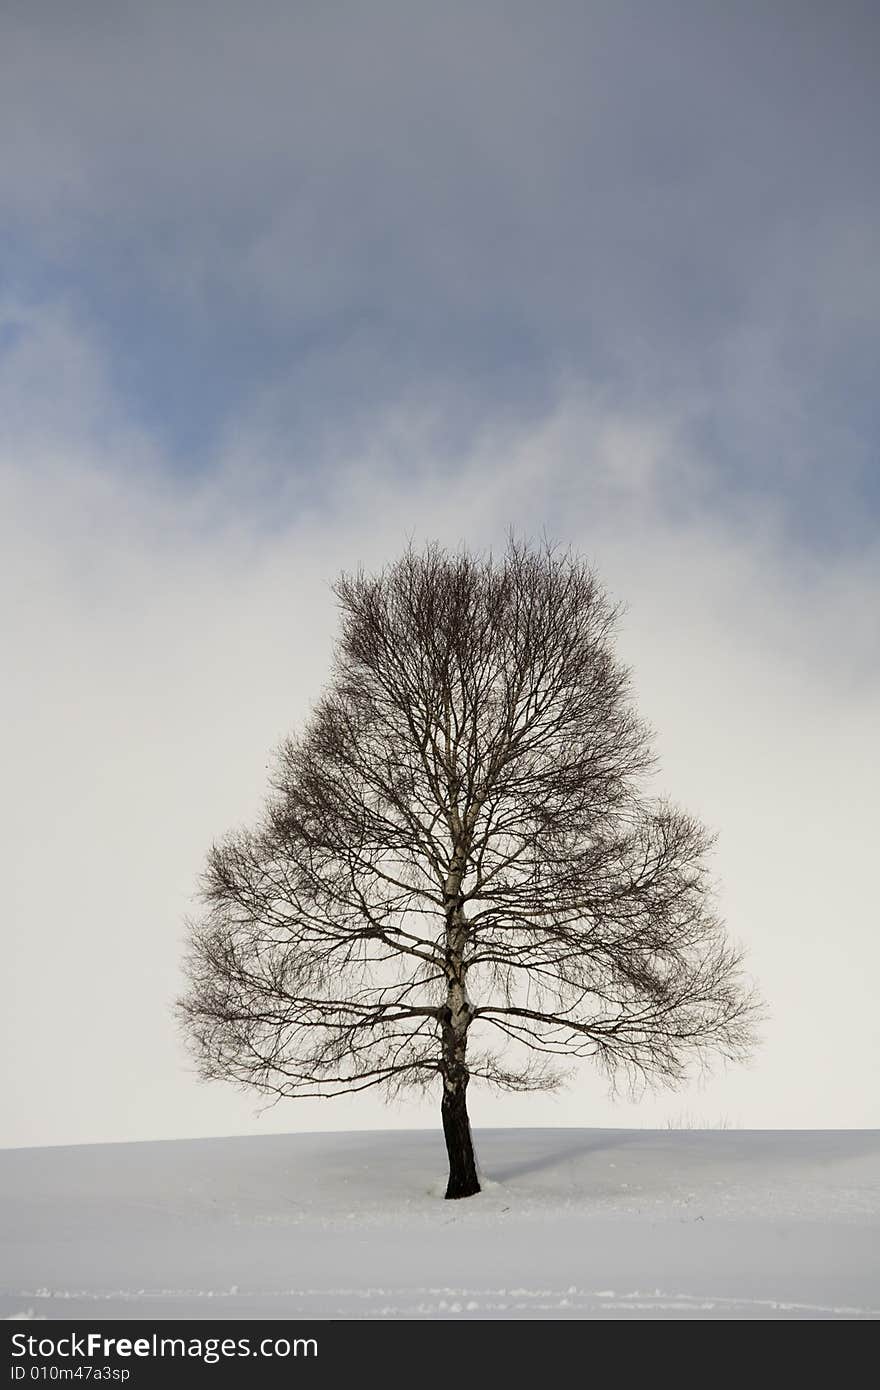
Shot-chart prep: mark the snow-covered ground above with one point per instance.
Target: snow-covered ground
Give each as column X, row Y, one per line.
column 573, row 1223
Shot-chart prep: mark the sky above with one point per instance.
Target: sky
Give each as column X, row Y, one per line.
column 283, row 286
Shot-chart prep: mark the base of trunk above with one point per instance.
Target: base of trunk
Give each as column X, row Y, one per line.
column 463, row 1180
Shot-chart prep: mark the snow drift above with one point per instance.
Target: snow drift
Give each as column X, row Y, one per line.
column 572, row 1223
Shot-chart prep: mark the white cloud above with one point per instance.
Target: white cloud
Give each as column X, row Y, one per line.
column 160, row 637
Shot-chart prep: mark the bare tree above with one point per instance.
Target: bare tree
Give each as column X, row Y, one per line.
column 459, row 872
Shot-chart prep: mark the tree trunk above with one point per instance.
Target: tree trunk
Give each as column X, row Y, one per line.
column 463, row 1180
column 456, row 1019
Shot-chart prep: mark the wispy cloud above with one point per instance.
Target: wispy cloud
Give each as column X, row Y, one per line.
column 352, row 211
column 161, row 636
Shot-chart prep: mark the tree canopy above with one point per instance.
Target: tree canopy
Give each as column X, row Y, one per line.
column 460, row 871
